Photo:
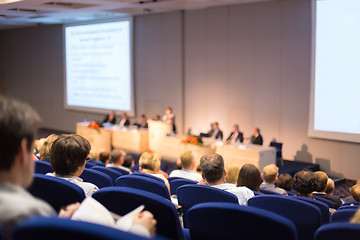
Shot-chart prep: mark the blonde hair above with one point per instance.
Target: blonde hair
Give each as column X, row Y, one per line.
column 187, row 159
column 270, row 172
column 232, row 173
column 355, row 192
column 39, row 143
column 150, row 161
column 46, row 148
column 329, row 186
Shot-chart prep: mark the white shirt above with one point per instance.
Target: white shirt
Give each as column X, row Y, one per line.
column 185, row 173
column 17, row 205
column 242, row 193
column 88, row 188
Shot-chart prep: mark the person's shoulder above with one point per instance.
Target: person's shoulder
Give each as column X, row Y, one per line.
column 175, row 173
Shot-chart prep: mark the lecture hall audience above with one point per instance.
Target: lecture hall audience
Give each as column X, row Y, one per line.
column 149, row 163
column 214, row 175
column 305, row 182
column 46, row 147
column 320, row 192
column 284, row 181
column 68, row 160
column 188, row 165
column 270, row 175
column 232, row 173
column 250, row 177
column 117, row 159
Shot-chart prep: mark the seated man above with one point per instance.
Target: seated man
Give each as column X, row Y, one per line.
column 188, row 166
column 355, row 192
column 330, row 187
column 323, row 179
column 214, row 175
column 149, row 163
column 124, row 122
column 117, row 159
column 270, row 176
column 215, row 132
column 256, row 138
column 129, row 161
column 18, row 126
column 110, row 118
column 236, row 136
column 68, row 160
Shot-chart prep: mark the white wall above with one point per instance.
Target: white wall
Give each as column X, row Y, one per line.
column 247, row 64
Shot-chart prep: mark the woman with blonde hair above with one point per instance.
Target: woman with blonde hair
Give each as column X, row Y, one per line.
column 232, row 173
column 149, row 163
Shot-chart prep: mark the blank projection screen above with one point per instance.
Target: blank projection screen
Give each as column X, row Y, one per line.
column 335, row 90
column 99, row 67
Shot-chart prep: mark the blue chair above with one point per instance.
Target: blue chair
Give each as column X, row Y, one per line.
column 264, row 191
column 176, row 183
column 305, row 216
column 324, row 200
column 89, row 164
column 338, row 231
column 56, row 191
column 112, row 173
column 349, row 207
column 98, row 178
column 292, row 192
column 351, row 202
column 148, row 176
column 324, row 208
column 59, row 229
column 43, row 167
column 122, row 171
column 144, row 183
column 343, row 215
column 190, row 195
column 170, row 179
column 122, row 200
column 232, row 221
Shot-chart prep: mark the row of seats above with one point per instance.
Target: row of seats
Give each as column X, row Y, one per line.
column 207, row 221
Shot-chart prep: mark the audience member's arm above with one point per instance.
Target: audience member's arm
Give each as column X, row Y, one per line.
column 69, row 210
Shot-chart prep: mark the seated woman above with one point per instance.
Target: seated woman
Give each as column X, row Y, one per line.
column 68, row 159
column 305, row 182
column 149, row 163
column 250, row 177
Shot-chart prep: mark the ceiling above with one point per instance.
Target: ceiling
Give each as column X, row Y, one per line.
column 36, row 12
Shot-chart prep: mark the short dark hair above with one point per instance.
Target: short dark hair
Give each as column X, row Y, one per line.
column 104, row 156
column 116, row 154
column 128, row 160
column 18, row 121
column 249, row 176
column 284, row 181
column 212, row 167
column 305, row 182
column 68, row 153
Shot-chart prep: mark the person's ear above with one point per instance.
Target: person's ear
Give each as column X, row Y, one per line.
column 23, row 151
column 262, row 176
column 140, row 169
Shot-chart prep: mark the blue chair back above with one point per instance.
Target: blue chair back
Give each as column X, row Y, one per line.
column 60, row 229
column 190, row 195
column 232, row 221
column 343, row 215
column 1, row 235
column 264, row 191
column 305, row 216
column 170, row 179
column 148, row 176
column 338, row 231
column 56, row 191
column 349, row 207
column 112, row 173
column 122, row 171
column 144, row 183
column 43, row 167
column 122, row 200
column 98, row 178
column 90, row 164
column 324, row 208
column 324, row 200
column 351, row 202
column 176, row 183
